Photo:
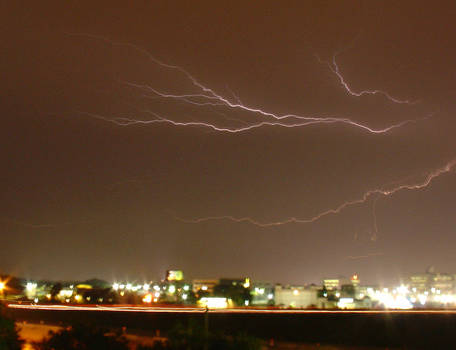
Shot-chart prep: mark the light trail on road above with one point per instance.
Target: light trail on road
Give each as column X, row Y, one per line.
column 199, row 310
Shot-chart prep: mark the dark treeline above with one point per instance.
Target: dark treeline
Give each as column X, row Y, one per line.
column 9, row 337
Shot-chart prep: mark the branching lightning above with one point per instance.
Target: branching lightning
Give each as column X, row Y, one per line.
column 203, row 96
column 122, row 121
column 206, row 96
column 213, row 99
column 383, row 192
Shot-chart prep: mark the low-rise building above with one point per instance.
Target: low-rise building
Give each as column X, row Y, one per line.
column 262, row 294
column 206, row 286
column 295, row 296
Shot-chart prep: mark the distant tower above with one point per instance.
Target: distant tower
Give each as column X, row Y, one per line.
column 355, row 280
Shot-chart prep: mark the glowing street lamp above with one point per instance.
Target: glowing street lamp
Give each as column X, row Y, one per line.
column 2, row 288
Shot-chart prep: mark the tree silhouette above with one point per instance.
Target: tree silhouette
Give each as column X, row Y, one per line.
column 84, row 337
column 9, row 337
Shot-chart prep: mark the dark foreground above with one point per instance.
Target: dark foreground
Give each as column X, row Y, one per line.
column 403, row 330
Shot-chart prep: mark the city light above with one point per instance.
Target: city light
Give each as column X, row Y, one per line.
column 147, row 298
column 420, row 291
column 392, row 297
column 213, row 303
column 259, row 290
column 30, row 286
column 345, row 303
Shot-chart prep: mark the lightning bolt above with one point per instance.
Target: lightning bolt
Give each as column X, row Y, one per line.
column 213, row 99
column 208, row 97
column 383, row 192
column 334, row 67
column 123, row 121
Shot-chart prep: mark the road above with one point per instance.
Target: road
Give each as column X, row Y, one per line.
column 198, row 310
column 427, row 329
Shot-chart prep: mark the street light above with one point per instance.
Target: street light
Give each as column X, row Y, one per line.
column 2, row 288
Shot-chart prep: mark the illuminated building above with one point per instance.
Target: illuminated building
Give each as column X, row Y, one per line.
column 215, row 303
column 245, row 282
column 331, row 283
column 295, row 296
column 355, row 280
column 262, row 294
column 206, row 286
column 335, row 283
column 235, row 289
column 174, row 275
column 432, row 280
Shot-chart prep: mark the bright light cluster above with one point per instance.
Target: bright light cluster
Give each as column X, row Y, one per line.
column 404, row 298
column 214, row 303
column 150, row 292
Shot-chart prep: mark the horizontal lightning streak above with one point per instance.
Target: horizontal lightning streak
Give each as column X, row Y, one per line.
column 122, row 121
column 33, row 225
column 426, row 182
column 368, row 255
column 221, row 101
column 208, row 97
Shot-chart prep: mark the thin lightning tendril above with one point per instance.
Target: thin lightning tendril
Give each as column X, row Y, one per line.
column 426, row 182
column 368, row 255
column 334, row 67
column 374, row 217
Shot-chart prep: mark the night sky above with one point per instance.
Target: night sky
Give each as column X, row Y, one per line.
column 87, row 191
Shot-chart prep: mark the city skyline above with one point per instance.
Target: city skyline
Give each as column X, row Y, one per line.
column 289, row 143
